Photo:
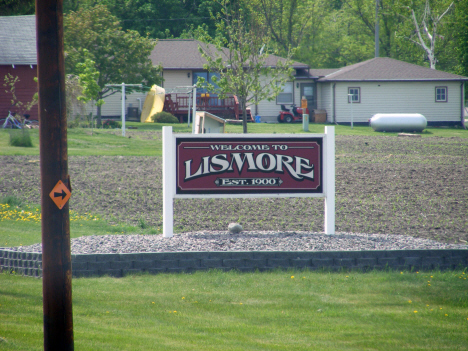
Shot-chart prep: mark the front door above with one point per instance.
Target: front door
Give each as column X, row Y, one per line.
column 308, row 90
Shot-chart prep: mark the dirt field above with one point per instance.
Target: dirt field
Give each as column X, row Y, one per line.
column 389, row 185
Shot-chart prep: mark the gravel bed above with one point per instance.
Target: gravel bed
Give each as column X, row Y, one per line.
column 246, row 241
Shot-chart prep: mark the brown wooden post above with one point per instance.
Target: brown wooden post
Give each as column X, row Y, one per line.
column 56, row 256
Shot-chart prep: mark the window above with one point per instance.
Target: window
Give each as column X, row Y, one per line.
column 441, row 94
column 208, row 76
column 354, row 95
column 286, row 96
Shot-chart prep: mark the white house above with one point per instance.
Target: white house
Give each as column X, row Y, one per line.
column 183, row 64
column 385, row 85
column 378, row 85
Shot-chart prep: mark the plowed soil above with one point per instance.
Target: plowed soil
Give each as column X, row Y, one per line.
column 384, row 184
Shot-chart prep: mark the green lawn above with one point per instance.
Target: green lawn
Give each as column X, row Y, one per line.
column 279, row 310
column 146, row 139
column 20, row 225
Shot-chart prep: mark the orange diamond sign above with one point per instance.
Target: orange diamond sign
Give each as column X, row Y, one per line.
column 60, row 194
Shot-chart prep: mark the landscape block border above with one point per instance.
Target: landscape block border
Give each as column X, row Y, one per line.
column 120, row 265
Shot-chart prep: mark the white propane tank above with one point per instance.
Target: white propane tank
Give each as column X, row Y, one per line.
column 398, row 122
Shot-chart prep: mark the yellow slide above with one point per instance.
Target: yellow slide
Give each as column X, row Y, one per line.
column 154, row 103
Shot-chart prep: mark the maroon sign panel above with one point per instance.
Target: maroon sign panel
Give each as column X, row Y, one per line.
column 248, row 165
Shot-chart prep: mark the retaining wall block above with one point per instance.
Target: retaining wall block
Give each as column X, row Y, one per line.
column 223, row 255
column 388, row 261
column 278, row 263
column 167, row 264
column 432, row 262
column 352, row 254
column 189, row 263
column 412, row 261
column 129, row 257
column 171, row 256
column 106, row 257
column 263, row 255
column 301, row 263
column 344, row 262
column 331, row 254
column 211, row 263
column 80, row 266
column 233, row 263
column 84, row 258
column 253, row 263
column 322, row 262
column 121, row 265
column 243, row 255
column 146, row 264
column 98, row 266
column 198, row 255
column 366, row 262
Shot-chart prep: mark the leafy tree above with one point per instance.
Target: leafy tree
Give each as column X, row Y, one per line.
column 119, row 56
column 162, row 18
column 426, row 29
column 461, row 33
column 17, row 7
column 240, row 59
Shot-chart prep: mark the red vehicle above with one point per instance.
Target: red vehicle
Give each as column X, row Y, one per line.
column 286, row 116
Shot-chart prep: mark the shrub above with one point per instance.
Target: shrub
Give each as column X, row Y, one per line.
column 11, row 200
column 110, row 124
column 164, row 117
column 20, row 138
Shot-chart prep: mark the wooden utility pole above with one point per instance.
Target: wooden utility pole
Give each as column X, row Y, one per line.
column 55, row 185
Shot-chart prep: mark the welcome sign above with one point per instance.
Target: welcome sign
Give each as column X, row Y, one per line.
column 248, row 165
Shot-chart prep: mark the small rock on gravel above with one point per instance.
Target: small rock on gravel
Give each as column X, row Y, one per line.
column 234, row 228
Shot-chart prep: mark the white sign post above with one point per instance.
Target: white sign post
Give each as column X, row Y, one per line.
column 248, row 166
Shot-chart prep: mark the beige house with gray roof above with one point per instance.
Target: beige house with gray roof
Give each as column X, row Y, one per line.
column 379, row 85
column 385, row 85
column 183, row 64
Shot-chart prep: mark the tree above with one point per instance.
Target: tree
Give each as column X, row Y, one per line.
column 119, row 56
column 461, row 30
column 240, row 59
column 426, row 30
column 162, row 18
column 17, row 7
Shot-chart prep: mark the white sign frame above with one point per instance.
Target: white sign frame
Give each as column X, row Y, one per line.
column 169, row 176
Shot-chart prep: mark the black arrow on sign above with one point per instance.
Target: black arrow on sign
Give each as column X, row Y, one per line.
column 62, row 194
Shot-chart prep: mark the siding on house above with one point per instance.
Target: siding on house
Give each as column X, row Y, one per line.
column 113, row 105
column 269, row 110
column 326, row 100
column 25, row 88
column 176, row 78
column 398, row 97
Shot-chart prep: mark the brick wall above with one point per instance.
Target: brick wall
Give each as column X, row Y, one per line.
column 118, row 265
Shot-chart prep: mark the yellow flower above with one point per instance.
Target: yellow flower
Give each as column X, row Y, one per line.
column 415, row 311
column 292, row 277
column 409, row 301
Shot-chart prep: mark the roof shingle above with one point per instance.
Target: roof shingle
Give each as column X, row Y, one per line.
column 385, row 68
column 184, row 54
column 18, row 40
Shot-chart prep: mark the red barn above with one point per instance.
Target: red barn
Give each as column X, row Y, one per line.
column 18, row 57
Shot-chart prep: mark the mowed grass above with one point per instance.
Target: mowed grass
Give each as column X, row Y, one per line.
column 280, row 310
column 20, row 225
column 146, row 139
